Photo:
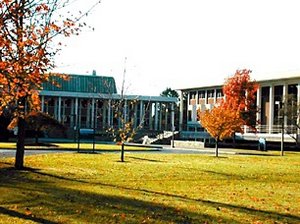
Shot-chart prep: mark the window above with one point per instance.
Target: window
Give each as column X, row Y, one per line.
column 210, row 93
column 201, row 94
column 219, row 93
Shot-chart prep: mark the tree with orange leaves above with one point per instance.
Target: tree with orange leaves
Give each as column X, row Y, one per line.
column 221, row 122
column 234, row 111
column 240, row 94
column 27, row 49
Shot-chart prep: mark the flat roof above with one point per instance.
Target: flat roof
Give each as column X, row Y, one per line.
column 276, row 77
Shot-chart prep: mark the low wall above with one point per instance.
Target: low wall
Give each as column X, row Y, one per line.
column 188, row 144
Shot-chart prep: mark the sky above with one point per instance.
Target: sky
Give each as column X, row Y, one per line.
column 182, row 44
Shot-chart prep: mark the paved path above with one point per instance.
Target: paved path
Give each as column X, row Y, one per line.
column 166, row 150
column 11, row 153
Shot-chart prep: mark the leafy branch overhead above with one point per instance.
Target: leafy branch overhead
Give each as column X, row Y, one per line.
column 28, row 30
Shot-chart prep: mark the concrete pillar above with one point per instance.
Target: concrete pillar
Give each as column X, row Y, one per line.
column 135, row 118
column 160, row 117
column 73, row 114
column 150, row 115
column 172, row 117
column 258, row 103
column 284, row 98
column 215, row 96
column 59, row 109
column 109, row 113
column 93, row 113
column 156, row 117
column 298, row 103
column 142, row 114
column 166, row 116
column 271, row 109
column 181, row 112
column 77, row 113
column 104, row 117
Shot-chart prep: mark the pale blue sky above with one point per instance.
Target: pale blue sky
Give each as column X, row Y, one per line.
column 178, row 44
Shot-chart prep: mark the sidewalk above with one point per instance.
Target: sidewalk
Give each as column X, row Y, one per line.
column 232, row 151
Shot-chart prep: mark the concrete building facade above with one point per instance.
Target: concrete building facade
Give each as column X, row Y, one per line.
column 269, row 101
column 86, row 101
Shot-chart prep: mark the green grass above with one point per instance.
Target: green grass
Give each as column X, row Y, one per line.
column 151, row 188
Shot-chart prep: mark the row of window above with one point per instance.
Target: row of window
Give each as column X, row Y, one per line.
column 210, row 94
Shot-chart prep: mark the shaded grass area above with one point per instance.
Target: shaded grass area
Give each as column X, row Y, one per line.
column 151, row 188
column 72, row 146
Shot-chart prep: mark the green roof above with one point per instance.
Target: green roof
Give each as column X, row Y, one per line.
column 83, row 83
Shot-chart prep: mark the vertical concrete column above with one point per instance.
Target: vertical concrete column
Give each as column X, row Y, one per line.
column 298, row 103
column 151, row 115
column 76, row 113
column 141, row 113
column 258, row 104
column 58, row 109
column 166, row 116
column 43, row 104
column 73, row 115
column 172, row 117
column 206, row 97
column 181, row 112
column 156, row 117
column 103, row 113
column 160, row 116
column 271, row 109
column 63, row 110
column 135, row 118
column 88, row 113
column 93, row 113
column 215, row 96
column 109, row 113
column 284, row 99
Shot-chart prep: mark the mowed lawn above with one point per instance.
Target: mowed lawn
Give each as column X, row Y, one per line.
column 151, row 188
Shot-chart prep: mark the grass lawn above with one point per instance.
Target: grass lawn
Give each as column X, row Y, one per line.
column 151, row 188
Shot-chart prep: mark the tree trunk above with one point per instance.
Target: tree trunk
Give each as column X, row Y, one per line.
column 19, row 162
column 217, row 147
column 233, row 140
column 122, row 152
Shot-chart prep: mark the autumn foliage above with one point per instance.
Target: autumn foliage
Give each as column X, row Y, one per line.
column 26, row 59
column 240, row 95
column 27, row 49
column 234, row 111
column 221, row 121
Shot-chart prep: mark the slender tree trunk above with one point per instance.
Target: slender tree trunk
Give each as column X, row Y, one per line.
column 233, row 140
column 122, row 152
column 217, row 147
column 19, row 162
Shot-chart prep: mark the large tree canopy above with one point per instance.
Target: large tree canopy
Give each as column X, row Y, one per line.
column 27, row 50
column 234, row 111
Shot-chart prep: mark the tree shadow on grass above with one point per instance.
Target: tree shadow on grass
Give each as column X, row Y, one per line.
column 73, row 205
column 218, row 205
column 35, row 189
column 144, row 159
column 19, row 215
